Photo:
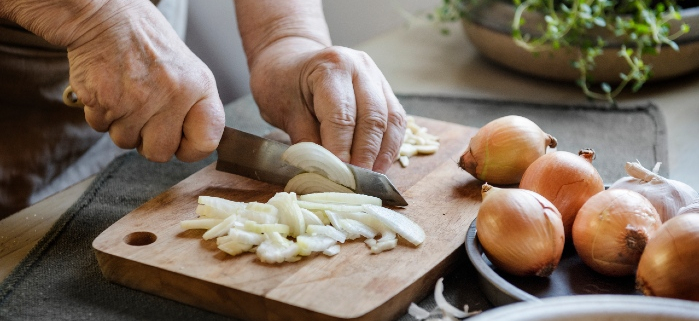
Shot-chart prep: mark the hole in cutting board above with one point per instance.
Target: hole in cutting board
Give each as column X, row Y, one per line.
column 140, row 238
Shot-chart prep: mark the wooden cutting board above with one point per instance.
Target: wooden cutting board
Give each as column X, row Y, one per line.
column 147, row 249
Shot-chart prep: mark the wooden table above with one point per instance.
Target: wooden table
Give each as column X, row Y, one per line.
column 418, row 60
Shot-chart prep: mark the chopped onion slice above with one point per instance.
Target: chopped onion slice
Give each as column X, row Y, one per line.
column 313, row 243
column 216, row 207
column 306, row 183
column 330, row 206
column 365, row 218
column 408, row 150
column 277, row 249
column 314, row 158
column 259, row 217
column 379, row 246
column 200, row 223
column 262, row 207
column 397, row 222
column 442, row 303
column 341, row 198
column 328, row 231
column 221, row 228
column 353, row 227
column 289, row 212
column 311, row 218
column 333, row 250
column 417, row 312
column 234, row 248
column 426, row 149
column 243, row 237
column 404, row 160
column 266, row 228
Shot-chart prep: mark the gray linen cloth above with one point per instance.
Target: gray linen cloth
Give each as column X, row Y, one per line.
column 60, row 279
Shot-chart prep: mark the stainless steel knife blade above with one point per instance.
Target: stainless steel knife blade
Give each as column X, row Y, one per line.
column 259, row 158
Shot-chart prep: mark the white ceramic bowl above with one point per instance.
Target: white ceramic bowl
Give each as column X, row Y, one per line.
column 597, row 308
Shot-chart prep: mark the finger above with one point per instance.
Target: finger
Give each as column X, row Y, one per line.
column 202, row 129
column 336, row 110
column 303, row 128
column 161, row 136
column 103, row 107
column 395, row 132
column 372, row 114
column 126, row 131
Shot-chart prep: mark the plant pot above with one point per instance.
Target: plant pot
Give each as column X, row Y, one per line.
column 488, row 26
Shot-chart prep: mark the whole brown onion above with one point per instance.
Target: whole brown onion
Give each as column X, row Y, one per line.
column 611, row 230
column 521, row 231
column 502, row 150
column 565, row 179
column 669, row 266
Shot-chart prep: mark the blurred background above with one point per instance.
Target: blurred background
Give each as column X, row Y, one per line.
column 212, row 32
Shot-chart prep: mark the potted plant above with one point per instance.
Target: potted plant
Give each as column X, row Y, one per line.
column 603, row 45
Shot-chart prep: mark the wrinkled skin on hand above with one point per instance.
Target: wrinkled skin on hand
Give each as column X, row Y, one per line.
column 141, row 83
column 340, row 99
column 317, row 92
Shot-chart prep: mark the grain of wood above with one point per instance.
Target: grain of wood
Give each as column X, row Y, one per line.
column 353, row 285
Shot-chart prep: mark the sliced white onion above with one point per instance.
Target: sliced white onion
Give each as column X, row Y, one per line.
column 329, row 206
column 217, row 207
column 200, row 223
column 328, row 231
column 262, row 207
column 426, row 149
column 353, row 227
column 397, row 222
column 259, row 217
column 234, row 248
column 333, row 250
column 365, row 218
column 313, row 243
column 314, row 158
column 404, row 160
column 289, row 212
column 379, row 246
column 341, row 198
column 306, row 183
column 447, row 309
column 277, row 249
column 221, row 228
column 311, row 218
column 263, row 228
column 417, row 312
column 243, row 237
column 255, row 227
column 408, row 150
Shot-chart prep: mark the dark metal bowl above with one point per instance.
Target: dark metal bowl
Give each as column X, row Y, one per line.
column 571, row 277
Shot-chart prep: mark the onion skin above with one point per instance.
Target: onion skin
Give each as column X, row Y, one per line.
column 669, row 264
column 502, row 150
column 565, row 179
column 611, row 230
column 521, row 231
column 692, row 207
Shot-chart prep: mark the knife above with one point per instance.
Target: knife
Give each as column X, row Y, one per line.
column 259, row 158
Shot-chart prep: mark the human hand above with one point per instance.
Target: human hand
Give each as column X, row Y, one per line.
column 141, row 83
column 334, row 96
